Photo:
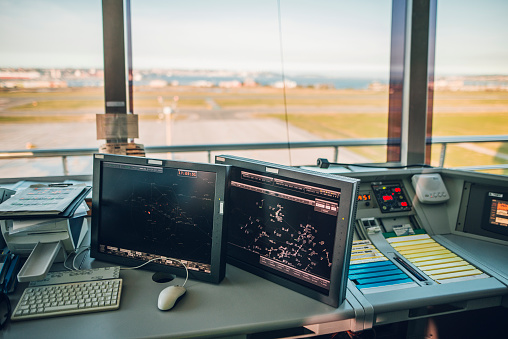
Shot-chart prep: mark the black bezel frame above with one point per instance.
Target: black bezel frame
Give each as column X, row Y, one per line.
column 344, row 231
column 219, row 232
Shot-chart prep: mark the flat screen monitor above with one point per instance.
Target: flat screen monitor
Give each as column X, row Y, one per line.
column 495, row 212
column 149, row 208
column 291, row 226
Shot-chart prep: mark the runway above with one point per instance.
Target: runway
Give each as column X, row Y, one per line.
column 191, row 131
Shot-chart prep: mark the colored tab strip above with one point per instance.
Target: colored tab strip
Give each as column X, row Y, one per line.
column 374, row 274
column 381, row 279
column 386, row 283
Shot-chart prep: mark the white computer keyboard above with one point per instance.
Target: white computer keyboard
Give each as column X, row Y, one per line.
column 70, row 298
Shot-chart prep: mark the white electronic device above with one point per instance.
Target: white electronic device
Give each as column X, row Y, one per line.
column 21, row 236
column 430, row 188
column 44, row 241
column 169, row 297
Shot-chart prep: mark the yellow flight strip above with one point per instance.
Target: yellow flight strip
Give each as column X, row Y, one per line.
column 433, row 257
column 412, row 242
column 411, row 250
column 364, row 252
column 424, row 254
column 366, row 255
column 435, row 260
column 445, row 265
column 451, row 269
column 456, row 274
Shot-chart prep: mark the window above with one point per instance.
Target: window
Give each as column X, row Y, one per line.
column 211, row 72
column 471, row 80
column 51, row 82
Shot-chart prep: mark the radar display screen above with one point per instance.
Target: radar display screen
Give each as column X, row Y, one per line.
column 287, row 224
column 286, row 228
column 148, row 211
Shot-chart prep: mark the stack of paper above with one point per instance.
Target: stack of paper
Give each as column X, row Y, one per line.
column 44, row 202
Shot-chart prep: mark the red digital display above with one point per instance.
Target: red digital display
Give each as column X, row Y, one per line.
column 187, row 173
column 398, row 190
column 364, row 197
column 387, row 197
column 403, row 204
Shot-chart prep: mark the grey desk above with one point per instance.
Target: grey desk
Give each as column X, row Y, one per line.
column 243, row 303
column 491, row 256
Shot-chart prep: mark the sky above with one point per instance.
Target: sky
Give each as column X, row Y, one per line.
column 335, row 37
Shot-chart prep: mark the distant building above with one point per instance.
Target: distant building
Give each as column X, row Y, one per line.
column 472, row 83
column 289, row 84
column 201, row 83
column 33, row 84
column 378, row 86
column 249, row 82
column 158, row 83
column 230, row 84
column 7, row 75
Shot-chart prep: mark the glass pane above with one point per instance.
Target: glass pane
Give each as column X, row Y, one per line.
column 211, row 72
column 51, row 82
column 471, row 88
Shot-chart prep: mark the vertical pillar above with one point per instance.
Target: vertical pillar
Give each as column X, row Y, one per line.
column 115, row 77
column 411, row 81
column 119, row 126
column 396, row 86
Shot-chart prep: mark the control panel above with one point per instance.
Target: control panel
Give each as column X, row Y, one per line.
column 391, row 198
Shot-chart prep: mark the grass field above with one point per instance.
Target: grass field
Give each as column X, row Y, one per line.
column 34, row 101
column 327, row 113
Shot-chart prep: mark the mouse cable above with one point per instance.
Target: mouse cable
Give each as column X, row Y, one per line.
column 153, row 259
column 77, row 252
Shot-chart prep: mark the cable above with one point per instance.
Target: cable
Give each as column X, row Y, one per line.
column 86, row 248
column 77, row 252
column 153, row 259
column 143, row 264
column 324, row 163
column 284, row 82
column 65, row 262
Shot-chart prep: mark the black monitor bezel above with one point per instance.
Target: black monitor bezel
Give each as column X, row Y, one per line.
column 344, row 232
column 219, row 232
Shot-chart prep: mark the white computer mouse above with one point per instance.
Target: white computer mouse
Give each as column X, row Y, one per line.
column 170, row 296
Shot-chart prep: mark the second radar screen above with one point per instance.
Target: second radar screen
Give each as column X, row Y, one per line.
column 287, row 225
column 391, row 198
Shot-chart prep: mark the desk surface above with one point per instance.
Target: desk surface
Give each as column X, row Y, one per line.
column 242, row 303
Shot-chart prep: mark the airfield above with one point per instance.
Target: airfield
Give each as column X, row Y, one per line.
column 65, row 118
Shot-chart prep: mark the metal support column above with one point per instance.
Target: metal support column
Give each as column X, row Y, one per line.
column 411, row 81
column 114, row 23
